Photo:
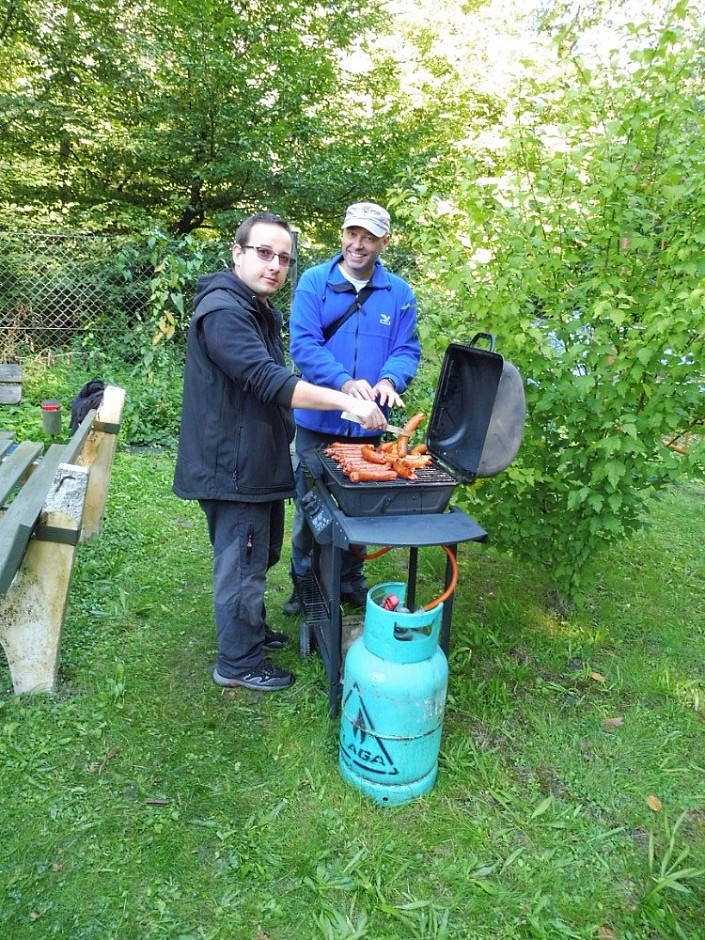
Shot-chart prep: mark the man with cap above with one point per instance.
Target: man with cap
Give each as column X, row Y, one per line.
column 353, row 328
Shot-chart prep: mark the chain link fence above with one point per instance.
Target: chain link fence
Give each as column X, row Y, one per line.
column 54, row 287
column 57, row 290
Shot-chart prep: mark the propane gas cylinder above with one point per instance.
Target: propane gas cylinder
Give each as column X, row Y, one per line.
column 394, row 693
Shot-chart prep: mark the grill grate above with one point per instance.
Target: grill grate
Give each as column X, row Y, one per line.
column 429, row 492
column 425, row 476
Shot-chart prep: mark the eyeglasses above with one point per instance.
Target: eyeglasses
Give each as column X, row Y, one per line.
column 266, row 254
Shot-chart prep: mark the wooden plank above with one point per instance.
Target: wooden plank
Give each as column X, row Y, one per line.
column 20, row 519
column 6, row 439
column 33, row 611
column 77, row 442
column 10, row 394
column 18, row 523
column 10, row 384
column 110, row 411
column 14, row 467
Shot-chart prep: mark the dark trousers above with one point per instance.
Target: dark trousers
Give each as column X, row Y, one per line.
column 247, row 540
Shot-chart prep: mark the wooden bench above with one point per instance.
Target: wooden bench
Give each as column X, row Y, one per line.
column 50, row 501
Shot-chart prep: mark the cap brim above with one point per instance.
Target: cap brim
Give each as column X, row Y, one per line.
column 370, row 226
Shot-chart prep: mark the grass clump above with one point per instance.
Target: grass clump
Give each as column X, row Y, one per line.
column 140, row 801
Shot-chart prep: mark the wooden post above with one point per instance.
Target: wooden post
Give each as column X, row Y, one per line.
column 33, row 610
column 97, row 454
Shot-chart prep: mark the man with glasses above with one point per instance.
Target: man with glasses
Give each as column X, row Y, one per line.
column 236, row 431
column 353, row 328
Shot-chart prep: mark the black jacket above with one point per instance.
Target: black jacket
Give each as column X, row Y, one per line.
column 236, row 422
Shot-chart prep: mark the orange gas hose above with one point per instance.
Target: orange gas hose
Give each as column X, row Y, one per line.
column 453, row 581
column 380, row 551
column 453, row 564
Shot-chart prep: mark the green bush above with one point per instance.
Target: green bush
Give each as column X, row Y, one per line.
column 583, row 254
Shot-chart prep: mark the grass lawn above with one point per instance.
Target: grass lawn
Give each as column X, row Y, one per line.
column 142, row 802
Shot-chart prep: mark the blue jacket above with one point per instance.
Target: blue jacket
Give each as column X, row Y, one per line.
column 236, row 423
column 379, row 341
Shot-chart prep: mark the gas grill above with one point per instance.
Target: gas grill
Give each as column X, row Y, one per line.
column 474, row 430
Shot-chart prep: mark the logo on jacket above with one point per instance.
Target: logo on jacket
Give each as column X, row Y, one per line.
column 385, row 319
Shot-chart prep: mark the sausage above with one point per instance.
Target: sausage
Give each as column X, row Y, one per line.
column 420, row 449
column 417, row 460
column 369, row 453
column 403, row 470
column 372, row 476
column 414, row 422
column 384, row 464
column 410, row 426
column 351, row 466
column 342, row 449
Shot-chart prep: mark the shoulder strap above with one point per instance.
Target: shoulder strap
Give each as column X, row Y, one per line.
column 357, row 304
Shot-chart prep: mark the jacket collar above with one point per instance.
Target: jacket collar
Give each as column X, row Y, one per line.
column 336, row 281
column 226, row 279
column 263, row 305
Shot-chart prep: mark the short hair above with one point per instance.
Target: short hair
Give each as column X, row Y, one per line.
column 242, row 236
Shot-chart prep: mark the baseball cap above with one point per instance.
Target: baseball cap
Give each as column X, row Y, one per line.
column 368, row 215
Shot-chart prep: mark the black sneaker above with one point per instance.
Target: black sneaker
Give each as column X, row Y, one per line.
column 264, row 678
column 292, row 608
column 275, row 641
column 356, row 598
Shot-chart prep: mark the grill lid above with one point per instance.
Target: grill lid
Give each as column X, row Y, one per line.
column 477, row 419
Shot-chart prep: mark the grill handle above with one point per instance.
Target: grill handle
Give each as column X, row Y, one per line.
column 488, row 336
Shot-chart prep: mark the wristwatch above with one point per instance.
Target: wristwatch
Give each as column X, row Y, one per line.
column 385, row 378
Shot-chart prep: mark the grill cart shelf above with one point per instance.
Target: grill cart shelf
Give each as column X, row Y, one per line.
column 334, row 531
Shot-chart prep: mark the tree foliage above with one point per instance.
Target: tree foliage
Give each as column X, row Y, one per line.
column 584, row 255
column 192, row 114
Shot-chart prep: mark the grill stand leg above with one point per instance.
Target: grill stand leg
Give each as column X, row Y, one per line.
column 319, row 595
column 411, row 586
column 335, row 666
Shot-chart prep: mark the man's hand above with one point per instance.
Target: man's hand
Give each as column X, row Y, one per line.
column 358, row 388
column 385, row 394
column 371, row 417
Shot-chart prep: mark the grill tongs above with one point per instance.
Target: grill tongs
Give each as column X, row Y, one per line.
column 391, row 428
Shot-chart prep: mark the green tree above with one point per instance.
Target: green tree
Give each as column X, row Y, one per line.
column 192, row 115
